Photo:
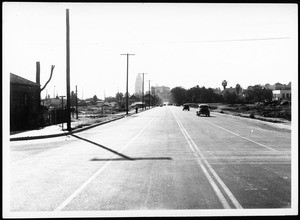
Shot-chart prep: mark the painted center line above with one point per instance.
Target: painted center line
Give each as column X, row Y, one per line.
column 205, row 167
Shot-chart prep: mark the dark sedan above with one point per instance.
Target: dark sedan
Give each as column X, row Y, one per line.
column 186, row 107
column 203, row 109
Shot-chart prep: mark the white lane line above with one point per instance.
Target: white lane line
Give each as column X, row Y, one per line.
column 78, row 190
column 225, row 188
column 209, row 178
column 239, row 135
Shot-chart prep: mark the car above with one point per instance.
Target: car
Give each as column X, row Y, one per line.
column 186, row 107
column 203, row 109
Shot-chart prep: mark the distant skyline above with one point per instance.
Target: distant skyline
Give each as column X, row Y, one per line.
column 177, row 44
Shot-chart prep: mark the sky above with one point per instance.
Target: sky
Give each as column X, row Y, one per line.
column 176, row 44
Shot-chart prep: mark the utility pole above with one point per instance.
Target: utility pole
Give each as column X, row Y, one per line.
column 76, row 103
column 154, row 97
column 38, row 75
column 149, row 94
column 143, row 90
column 68, row 70
column 127, row 54
column 62, row 111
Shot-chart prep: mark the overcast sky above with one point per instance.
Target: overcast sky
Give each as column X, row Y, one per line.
column 176, row 44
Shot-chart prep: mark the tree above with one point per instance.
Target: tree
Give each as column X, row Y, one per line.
column 73, row 98
column 95, row 99
column 120, row 100
column 119, row 96
column 258, row 94
column 224, row 84
column 200, row 95
column 230, row 97
column 110, row 99
column 179, row 95
column 237, row 88
column 193, row 94
column 51, row 73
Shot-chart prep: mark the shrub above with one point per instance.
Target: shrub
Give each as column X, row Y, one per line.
column 252, row 115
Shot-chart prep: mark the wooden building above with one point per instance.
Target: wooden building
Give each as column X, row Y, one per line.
column 24, row 103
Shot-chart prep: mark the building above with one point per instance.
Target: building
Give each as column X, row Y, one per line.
column 283, row 94
column 279, row 86
column 138, row 84
column 163, row 92
column 24, row 103
column 282, row 91
column 161, row 89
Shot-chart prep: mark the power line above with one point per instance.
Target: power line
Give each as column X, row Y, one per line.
column 250, row 39
column 216, row 41
column 195, row 41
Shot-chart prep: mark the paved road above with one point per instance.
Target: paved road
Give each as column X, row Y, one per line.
column 164, row 158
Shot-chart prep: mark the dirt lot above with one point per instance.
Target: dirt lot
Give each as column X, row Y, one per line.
column 271, row 112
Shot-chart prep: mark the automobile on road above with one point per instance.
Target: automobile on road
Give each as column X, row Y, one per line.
column 203, row 109
column 186, row 107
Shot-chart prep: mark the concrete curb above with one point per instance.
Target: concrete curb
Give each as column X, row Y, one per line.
column 69, row 132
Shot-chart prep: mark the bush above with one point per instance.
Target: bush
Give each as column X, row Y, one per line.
column 252, row 115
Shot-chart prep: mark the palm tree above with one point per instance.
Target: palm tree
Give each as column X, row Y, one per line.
column 224, row 84
column 237, row 88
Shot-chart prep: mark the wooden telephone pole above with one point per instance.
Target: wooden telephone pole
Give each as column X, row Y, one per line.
column 149, row 95
column 76, row 103
column 127, row 54
column 68, row 70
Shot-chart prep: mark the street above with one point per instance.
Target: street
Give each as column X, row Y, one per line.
column 160, row 159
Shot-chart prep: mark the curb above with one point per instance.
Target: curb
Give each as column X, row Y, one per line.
column 69, row 132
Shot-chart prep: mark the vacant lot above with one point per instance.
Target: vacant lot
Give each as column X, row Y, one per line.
column 273, row 113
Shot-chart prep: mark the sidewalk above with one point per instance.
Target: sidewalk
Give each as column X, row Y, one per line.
column 56, row 130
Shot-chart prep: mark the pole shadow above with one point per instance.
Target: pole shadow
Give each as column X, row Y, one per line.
column 132, row 158
column 106, row 148
column 123, row 157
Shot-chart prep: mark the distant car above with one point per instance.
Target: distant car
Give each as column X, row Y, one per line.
column 186, row 107
column 203, row 109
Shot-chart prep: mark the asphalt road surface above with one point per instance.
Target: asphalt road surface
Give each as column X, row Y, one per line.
column 160, row 159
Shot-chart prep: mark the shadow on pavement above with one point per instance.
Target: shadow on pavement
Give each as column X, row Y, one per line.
column 106, row 148
column 123, row 157
column 132, row 158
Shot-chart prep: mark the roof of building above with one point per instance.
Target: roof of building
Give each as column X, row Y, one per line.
column 20, row 80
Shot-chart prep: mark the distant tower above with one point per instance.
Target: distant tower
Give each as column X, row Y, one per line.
column 138, row 84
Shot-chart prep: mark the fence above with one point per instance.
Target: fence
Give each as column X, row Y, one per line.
column 57, row 116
